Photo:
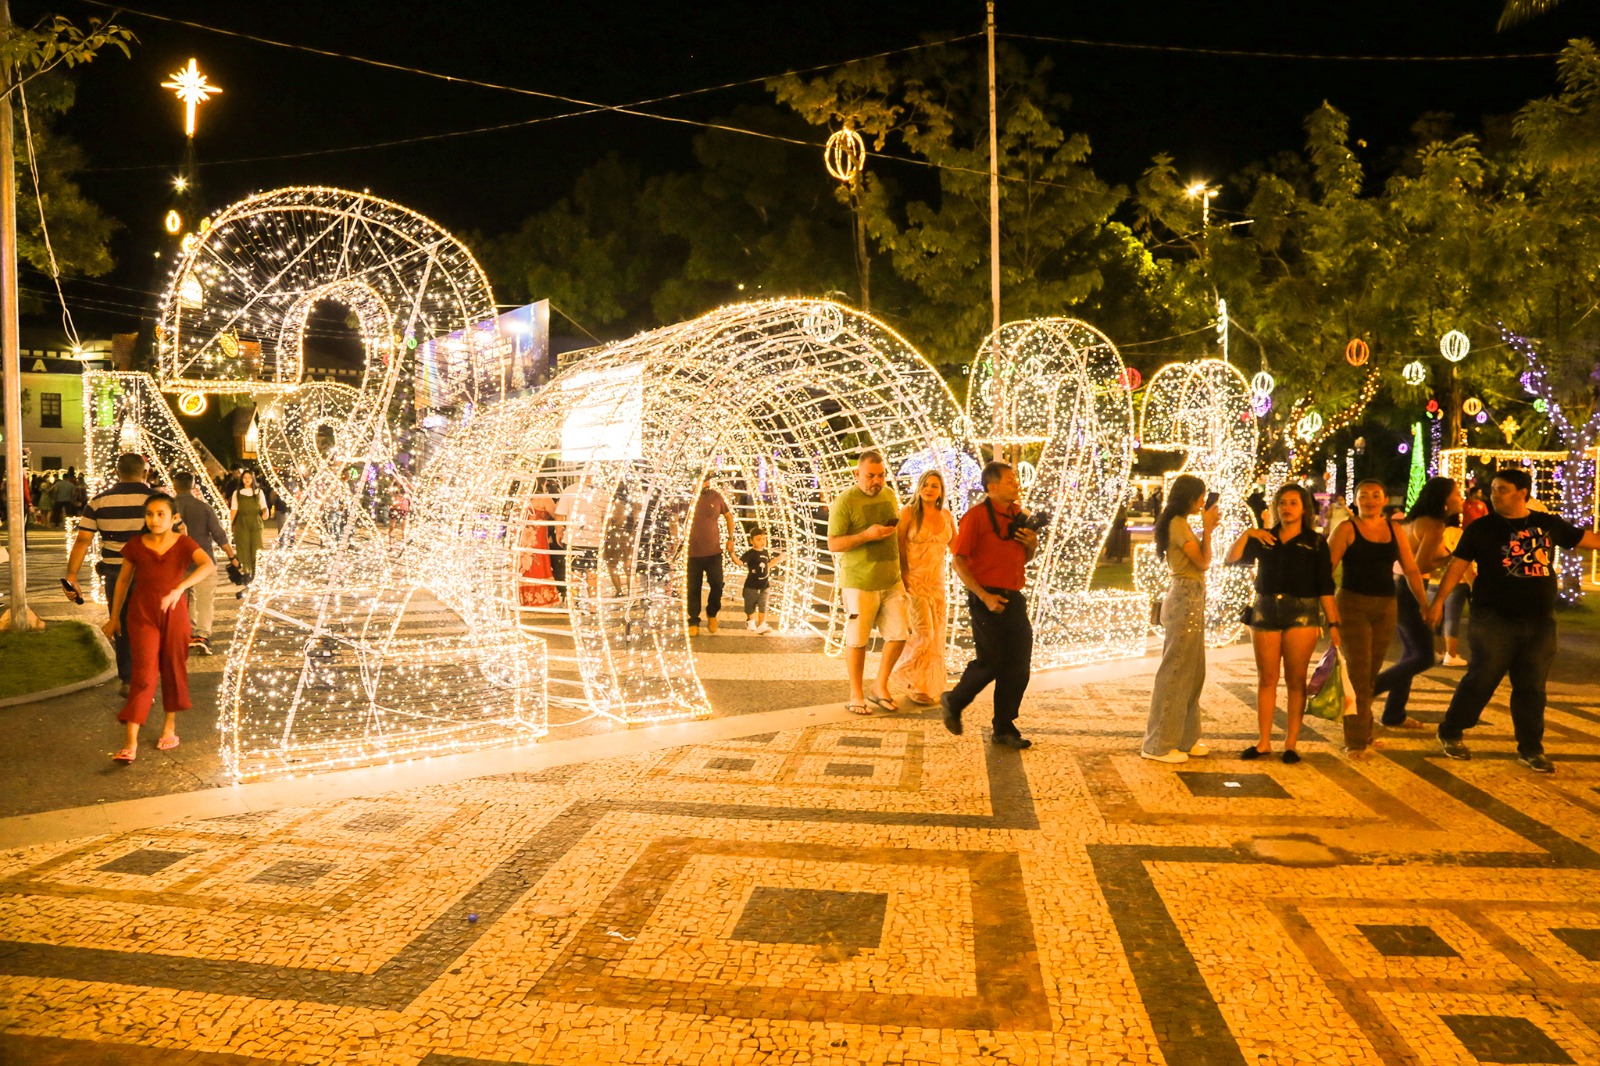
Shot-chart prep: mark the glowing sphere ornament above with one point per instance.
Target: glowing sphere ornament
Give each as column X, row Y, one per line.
column 1414, row 373
column 1131, row 379
column 1454, row 346
column 1309, row 426
column 173, row 222
column 845, row 154
column 1262, row 384
column 1482, row 417
column 192, row 403
column 1472, row 405
column 1357, row 352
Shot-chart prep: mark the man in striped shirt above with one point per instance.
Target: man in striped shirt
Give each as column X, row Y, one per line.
column 117, row 514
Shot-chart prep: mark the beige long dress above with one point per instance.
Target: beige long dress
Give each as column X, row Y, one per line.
column 921, row 667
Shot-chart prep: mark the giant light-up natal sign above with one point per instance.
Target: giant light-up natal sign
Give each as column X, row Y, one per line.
column 357, row 647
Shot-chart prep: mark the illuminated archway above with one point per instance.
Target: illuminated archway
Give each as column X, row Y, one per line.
column 774, row 399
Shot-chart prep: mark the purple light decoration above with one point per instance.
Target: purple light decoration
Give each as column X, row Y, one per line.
column 1482, row 417
column 1404, row 447
column 1574, row 505
column 1527, row 382
column 1262, row 403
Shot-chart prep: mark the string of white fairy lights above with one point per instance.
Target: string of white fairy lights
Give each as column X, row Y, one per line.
column 1060, row 386
column 1205, row 411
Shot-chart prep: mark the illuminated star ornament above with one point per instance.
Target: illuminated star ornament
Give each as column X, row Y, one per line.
column 193, row 89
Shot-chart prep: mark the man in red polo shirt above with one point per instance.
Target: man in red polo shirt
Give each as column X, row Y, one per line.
column 990, row 557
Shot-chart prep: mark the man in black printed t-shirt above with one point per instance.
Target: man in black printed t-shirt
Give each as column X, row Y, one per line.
column 1513, row 625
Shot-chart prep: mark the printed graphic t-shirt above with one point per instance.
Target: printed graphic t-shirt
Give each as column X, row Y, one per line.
column 758, row 564
column 1516, row 561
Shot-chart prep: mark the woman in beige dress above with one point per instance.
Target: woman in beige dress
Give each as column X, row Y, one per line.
column 925, row 532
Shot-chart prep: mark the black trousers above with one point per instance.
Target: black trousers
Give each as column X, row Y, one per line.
column 1521, row 647
column 1003, row 654
column 108, row 577
column 704, row 568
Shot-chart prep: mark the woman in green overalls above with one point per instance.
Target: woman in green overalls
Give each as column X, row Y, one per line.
column 247, row 512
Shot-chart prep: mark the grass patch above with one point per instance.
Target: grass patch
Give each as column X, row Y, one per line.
column 1586, row 615
column 1112, row 576
column 41, row 659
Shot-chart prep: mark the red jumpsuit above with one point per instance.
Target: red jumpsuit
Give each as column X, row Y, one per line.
column 159, row 642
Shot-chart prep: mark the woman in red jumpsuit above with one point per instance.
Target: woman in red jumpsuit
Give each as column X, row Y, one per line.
column 159, row 564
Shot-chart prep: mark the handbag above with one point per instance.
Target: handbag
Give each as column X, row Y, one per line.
column 1336, row 698
column 1248, row 614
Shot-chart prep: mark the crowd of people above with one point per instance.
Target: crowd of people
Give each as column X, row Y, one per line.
column 1385, row 559
column 1362, row 578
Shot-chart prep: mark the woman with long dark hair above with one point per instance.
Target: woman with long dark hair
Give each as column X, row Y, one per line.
column 165, row 564
column 1369, row 545
column 1424, row 526
column 1172, row 733
column 1294, row 594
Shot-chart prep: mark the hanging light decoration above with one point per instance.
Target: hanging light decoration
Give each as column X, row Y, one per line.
column 1483, row 416
column 845, row 154
column 1356, row 353
column 1262, row 384
column 1454, row 346
column 1415, row 373
column 1131, row 379
column 173, row 222
column 1309, row 426
column 192, row 403
column 1472, row 405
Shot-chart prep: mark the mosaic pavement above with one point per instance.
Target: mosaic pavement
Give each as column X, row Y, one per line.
column 876, row 891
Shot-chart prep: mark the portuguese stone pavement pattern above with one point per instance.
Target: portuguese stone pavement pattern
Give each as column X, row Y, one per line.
column 875, row 891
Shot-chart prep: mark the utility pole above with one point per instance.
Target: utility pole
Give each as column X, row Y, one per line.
column 16, row 514
column 994, row 177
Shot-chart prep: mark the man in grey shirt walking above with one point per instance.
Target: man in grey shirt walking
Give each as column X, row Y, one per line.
column 196, row 519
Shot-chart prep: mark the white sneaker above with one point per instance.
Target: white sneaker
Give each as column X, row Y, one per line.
column 1453, row 660
column 1172, row 756
column 763, row 629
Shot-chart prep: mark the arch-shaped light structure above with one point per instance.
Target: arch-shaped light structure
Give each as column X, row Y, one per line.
column 1059, row 384
column 774, row 399
column 1202, row 409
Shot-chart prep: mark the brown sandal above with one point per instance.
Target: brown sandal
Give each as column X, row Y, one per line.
column 858, row 708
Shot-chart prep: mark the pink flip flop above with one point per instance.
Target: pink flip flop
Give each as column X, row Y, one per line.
column 167, row 743
column 125, row 755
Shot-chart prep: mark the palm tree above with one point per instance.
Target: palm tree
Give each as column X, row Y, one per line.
column 1519, row 11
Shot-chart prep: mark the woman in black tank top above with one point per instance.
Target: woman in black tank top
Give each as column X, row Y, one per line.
column 1368, row 546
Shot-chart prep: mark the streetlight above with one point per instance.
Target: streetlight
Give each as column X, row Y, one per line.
column 1201, row 191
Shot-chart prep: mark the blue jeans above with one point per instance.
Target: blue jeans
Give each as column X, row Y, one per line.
column 1522, row 647
column 1416, row 655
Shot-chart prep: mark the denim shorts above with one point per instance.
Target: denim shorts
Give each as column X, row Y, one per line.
column 1286, row 612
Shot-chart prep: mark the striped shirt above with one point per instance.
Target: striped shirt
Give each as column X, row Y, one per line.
column 117, row 514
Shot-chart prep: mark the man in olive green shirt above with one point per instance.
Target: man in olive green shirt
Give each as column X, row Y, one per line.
column 861, row 531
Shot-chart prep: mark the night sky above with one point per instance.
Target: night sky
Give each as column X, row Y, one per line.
column 1213, row 114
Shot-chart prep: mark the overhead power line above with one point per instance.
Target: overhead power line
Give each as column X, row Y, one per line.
column 1242, row 53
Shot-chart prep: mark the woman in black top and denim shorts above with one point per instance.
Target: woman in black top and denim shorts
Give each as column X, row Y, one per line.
column 1370, row 545
column 1294, row 591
